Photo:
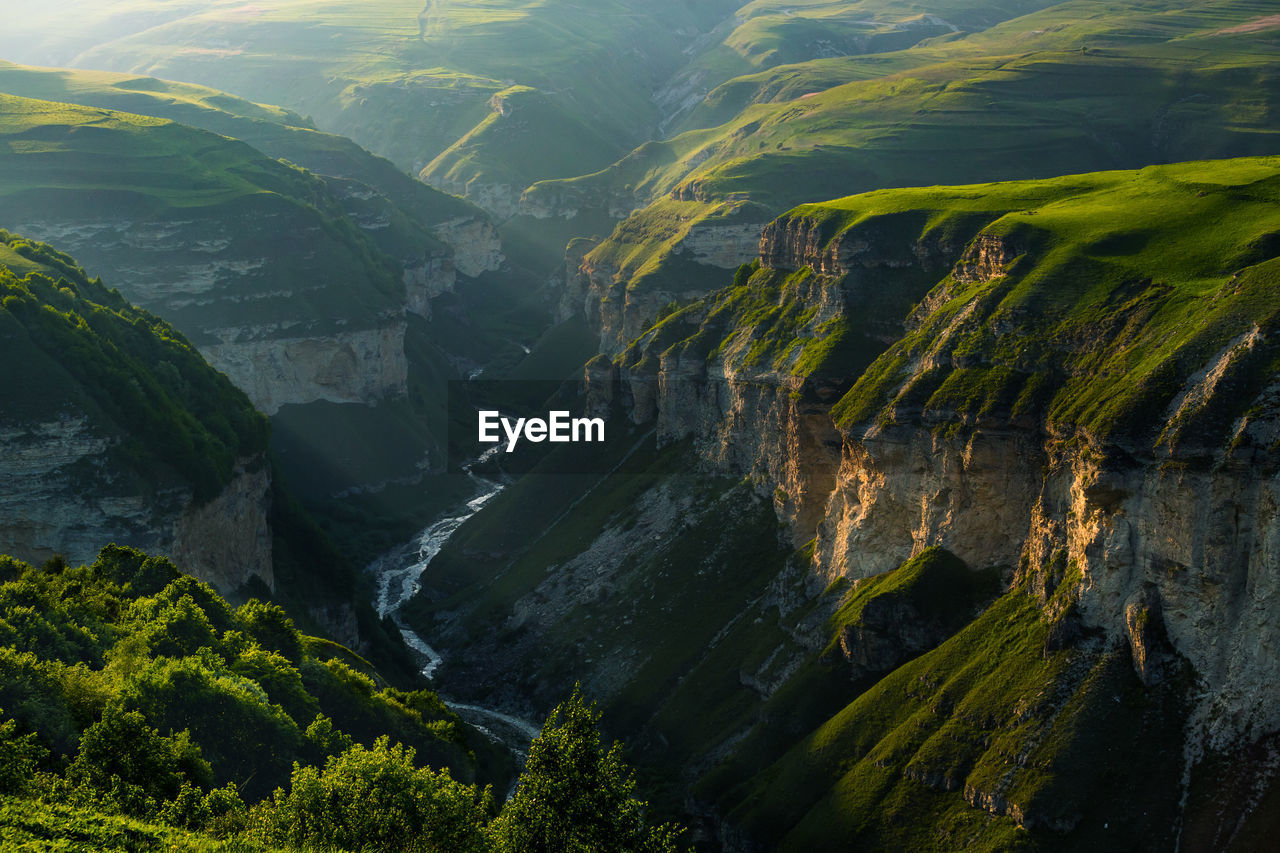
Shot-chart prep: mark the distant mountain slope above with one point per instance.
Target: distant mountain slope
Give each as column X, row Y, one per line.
column 406, row 218
column 115, row 429
column 1075, row 87
column 255, row 261
column 405, row 78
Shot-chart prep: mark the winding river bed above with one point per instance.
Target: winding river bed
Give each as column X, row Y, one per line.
column 398, row 575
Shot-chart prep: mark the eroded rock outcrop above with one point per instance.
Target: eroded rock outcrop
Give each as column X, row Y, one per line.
column 276, row 369
column 65, row 493
column 1165, row 531
column 476, row 246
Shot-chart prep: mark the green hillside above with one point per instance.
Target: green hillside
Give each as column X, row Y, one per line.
column 1152, row 275
column 276, row 132
column 78, row 172
column 1079, row 86
column 406, row 79
column 143, row 712
column 74, row 346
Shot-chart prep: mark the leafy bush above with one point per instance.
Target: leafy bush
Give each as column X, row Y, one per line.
column 132, row 765
column 173, row 629
column 172, row 692
column 247, row 739
column 31, row 691
column 271, row 627
column 274, row 674
column 376, row 798
column 19, row 755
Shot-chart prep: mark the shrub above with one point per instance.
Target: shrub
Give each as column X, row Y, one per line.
column 129, row 763
column 376, row 798
column 19, row 756
column 281, row 681
column 247, row 739
column 271, row 627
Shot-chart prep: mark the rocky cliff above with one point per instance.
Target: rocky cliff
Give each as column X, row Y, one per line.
column 114, row 429
column 63, row 496
column 1105, row 429
column 666, row 254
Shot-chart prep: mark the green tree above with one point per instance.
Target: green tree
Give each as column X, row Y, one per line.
column 375, row 799
column 575, row 796
column 173, row 629
column 130, row 763
column 281, row 681
column 271, row 627
column 246, row 738
column 19, row 755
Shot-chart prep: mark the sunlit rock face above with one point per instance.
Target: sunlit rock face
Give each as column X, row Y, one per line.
column 1172, row 549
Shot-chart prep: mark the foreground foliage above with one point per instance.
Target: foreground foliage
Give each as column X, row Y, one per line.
column 141, row 711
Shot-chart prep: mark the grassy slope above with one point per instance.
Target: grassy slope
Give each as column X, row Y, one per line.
column 275, row 131
column 1124, row 285
column 132, row 632
column 1149, row 86
column 1152, row 256
column 70, row 164
column 1060, row 739
column 374, row 72
column 767, row 33
column 29, row 826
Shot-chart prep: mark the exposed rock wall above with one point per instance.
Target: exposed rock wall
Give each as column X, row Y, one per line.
column 360, row 366
column 247, row 294
column 1167, row 551
column 723, row 246
column 622, row 313
column 63, row 492
column 476, row 246
column 228, row 540
column 902, row 490
column 424, row 282
column 47, row 503
column 270, row 299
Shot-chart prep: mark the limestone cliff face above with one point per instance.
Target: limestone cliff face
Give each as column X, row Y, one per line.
column 768, row 419
column 294, row 307
column 1170, row 548
column 898, row 492
column 576, row 295
column 424, row 282
column 276, row 369
column 1163, row 550
column 726, row 247
column 228, row 540
column 745, row 423
column 246, row 292
column 565, row 200
column 500, row 200
column 622, row 309
column 476, row 246
column 63, row 492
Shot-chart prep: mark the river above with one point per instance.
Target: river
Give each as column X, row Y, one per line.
column 398, row 575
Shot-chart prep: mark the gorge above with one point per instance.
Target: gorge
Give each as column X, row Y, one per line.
column 935, row 347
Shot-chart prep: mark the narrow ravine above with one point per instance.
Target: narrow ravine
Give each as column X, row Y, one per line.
column 398, row 574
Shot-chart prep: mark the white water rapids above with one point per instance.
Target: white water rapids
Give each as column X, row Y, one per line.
column 398, row 576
